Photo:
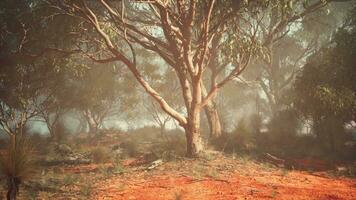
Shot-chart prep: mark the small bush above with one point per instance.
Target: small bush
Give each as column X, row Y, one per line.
column 173, row 147
column 130, row 148
column 242, row 139
column 118, row 168
column 100, row 155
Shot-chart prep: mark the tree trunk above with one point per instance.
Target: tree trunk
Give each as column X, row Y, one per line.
column 213, row 118
column 193, row 137
column 92, row 128
column 194, row 142
column 93, row 125
column 13, row 188
column 92, row 122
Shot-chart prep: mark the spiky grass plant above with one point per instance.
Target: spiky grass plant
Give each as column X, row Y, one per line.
column 16, row 164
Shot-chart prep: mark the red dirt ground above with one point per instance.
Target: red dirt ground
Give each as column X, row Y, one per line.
column 224, row 179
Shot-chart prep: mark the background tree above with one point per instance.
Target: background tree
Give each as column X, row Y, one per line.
column 24, row 74
column 18, row 96
column 98, row 93
column 287, row 50
column 168, row 85
column 289, row 40
column 326, row 87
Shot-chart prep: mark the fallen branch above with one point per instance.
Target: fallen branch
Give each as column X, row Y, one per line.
column 274, row 160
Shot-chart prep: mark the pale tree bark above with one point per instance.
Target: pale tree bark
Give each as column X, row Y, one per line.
column 94, row 121
column 211, row 109
column 213, row 118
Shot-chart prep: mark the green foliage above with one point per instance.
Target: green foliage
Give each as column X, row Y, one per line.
column 118, row 168
column 284, row 126
column 326, row 88
column 282, row 138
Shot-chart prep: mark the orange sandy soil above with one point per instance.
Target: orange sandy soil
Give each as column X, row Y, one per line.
column 223, row 178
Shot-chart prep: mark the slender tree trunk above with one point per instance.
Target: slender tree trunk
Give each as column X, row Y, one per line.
column 163, row 128
column 213, row 118
column 92, row 127
column 52, row 133
column 82, row 126
column 211, row 110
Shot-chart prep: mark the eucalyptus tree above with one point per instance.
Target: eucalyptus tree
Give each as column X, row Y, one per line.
column 18, row 95
column 26, row 75
column 98, row 93
column 180, row 32
column 19, row 84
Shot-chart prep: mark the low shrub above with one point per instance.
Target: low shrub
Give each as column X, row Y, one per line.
column 40, row 143
column 242, row 139
column 100, row 155
column 130, row 148
column 169, row 148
